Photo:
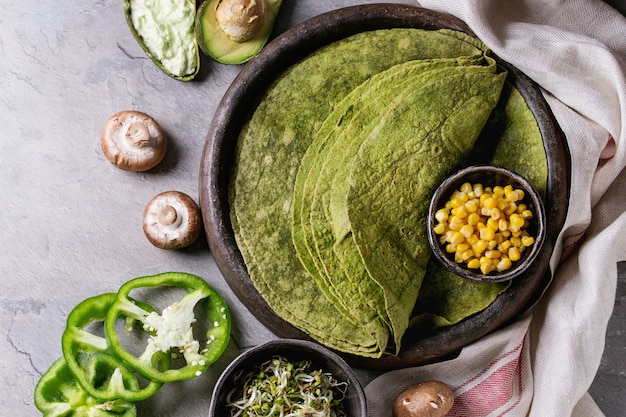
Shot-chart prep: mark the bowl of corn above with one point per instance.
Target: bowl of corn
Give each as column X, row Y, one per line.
column 486, row 223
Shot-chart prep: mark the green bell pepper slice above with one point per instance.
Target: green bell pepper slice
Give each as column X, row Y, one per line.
column 58, row 394
column 100, row 374
column 173, row 331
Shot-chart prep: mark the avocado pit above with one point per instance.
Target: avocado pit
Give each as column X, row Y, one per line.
column 234, row 31
column 241, row 20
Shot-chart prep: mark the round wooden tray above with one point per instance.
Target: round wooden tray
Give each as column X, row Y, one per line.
column 236, row 106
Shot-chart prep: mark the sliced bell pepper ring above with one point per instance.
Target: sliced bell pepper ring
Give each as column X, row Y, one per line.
column 99, row 373
column 172, row 331
column 58, row 394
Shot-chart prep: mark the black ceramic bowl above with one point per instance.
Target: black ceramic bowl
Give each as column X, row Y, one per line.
column 488, row 176
column 354, row 404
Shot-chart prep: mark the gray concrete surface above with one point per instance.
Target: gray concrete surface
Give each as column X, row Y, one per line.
column 71, row 222
column 610, row 383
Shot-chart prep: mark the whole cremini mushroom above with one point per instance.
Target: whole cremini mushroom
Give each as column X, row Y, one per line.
column 241, row 20
column 424, row 399
column 172, row 220
column 133, row 141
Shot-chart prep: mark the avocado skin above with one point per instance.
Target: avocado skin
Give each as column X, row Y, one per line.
column 216, row 45
column 140, row 41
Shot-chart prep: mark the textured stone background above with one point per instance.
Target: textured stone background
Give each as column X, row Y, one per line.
column 71, row 223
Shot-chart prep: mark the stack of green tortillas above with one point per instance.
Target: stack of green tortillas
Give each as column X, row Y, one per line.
column 334, row 172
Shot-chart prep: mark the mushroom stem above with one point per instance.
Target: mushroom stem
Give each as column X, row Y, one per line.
column 133, row 141
column 138, row 134
column 167, row 216
column 172, row 220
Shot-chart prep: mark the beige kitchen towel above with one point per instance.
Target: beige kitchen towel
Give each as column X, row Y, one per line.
column 543, row 364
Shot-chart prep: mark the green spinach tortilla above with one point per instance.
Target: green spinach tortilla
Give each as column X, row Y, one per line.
column 304, row 185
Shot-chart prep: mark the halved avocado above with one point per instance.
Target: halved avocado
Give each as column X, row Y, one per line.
column 214, row 42
column 166, row 36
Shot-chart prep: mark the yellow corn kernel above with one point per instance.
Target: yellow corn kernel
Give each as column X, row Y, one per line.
column 442, row 215
column 510, row 209
column 487, row 268
column 465, row 255
column 504, row 246
column 516, row 222
column 527, row 241
column 456, row 238
column 490, row 202
column 498, row 191
column 456, row 202
column 492, row 244
column 493, row 254
column 454, row 223
column 516, row 241
column 473, row 219
column 478, row 190
column 472, row 205
column 492, row 224
column 504, row 264
column 459, row 212
column 466, row 188
column 462, row 247
column 521, row 207
column 457, row 257
column 502, row 225
column 514, row 254
column 486, row 233
column 495, row 213
column 473, row 263
column 479, row 246
column 450, row 248
column 439, row 228
column 467, row 231
column 527, row 214
column 511, row 195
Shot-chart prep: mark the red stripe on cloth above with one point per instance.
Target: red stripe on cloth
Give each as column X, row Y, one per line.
column 496, row 386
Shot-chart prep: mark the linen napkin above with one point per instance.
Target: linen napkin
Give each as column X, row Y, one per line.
column 543, row 363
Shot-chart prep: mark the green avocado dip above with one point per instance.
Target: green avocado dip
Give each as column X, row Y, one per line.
column 165, row 31
column 333, row 175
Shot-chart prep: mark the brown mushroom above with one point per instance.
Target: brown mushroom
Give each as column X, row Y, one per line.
column 133, row 141
column 241, row 20
column 172, row 220
column 424, row 399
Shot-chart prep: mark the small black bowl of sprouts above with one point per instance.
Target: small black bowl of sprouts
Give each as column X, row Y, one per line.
column 288, row 378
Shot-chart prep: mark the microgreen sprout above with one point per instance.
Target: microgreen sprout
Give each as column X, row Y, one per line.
column 281, row 388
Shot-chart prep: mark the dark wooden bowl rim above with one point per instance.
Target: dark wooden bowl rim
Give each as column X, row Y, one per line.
column 235, row 107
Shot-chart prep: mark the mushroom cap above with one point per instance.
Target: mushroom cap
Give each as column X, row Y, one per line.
column 424, row 399
column 133, row 141
column 240, row 19
column 172, row 220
